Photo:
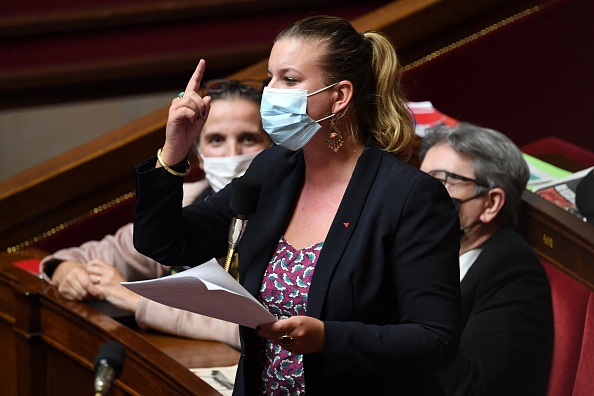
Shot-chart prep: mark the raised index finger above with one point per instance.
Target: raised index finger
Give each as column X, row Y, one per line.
column 196, row 79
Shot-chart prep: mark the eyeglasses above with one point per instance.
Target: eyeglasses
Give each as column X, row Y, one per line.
column 452, row 178
column 248, row 87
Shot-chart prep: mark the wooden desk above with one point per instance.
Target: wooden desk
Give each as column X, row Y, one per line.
column 558, row 237
column 48, row 346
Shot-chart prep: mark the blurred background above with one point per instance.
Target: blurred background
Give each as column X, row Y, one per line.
column 71, row 70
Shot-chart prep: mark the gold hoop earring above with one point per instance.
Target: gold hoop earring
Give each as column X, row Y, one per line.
column 334, row 137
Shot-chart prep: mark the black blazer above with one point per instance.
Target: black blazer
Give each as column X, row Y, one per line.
column 386, row 283
column 507, row 342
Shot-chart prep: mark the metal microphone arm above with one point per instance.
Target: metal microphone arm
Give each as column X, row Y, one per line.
column 244, row 201
column 236, row 231
column 108, row 366
column 105, row 375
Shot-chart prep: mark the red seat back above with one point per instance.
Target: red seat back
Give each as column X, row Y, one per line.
column 558, row 151
column 584, row 381
column 570, row 302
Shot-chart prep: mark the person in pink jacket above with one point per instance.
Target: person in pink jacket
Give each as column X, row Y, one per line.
column 230, row 139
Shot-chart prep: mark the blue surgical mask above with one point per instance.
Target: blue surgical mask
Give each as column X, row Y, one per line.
column 285, row 119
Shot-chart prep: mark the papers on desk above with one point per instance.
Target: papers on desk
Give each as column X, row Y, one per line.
column 562, row 192
column 207, row 290
column 542, row 173
column 569, row 177
column 221, row 379
column 427, row 116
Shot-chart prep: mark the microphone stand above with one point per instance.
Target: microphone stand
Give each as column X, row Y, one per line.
column 105, row 375
column 230, row 253
column 108, row 366
column 236, row 231
column 243, row 204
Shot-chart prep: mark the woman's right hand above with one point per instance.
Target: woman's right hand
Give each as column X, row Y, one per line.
column 187, row 116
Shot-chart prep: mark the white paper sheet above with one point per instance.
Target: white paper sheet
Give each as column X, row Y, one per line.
column 221, row 379
column 208, row 290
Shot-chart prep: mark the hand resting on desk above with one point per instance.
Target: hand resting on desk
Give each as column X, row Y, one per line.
column 96, row 279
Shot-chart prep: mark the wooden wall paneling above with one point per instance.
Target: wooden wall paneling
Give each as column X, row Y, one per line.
column 116, row 14
column 119, row 77
column 527, row 76
column 419, row 27
column 38, row 199
column 108, row 50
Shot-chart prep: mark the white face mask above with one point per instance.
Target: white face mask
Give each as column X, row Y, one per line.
column 219, row 171
column 285, row 119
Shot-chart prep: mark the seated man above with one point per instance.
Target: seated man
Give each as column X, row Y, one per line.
column 507, row 342
column 230, row 139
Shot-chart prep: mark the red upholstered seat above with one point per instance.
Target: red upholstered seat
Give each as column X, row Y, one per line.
column 584, row 381
column 570, row 303
column 31, row 265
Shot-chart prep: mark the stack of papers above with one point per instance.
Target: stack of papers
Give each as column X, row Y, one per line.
column 207, row 290
column 221, row 379
column 542, row 173
column 427, row 116
column 570, row 177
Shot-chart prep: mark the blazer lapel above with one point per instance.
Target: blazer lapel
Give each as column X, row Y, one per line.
column 343, row 226
column 269, row 222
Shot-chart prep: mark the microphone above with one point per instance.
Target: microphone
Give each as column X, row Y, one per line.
column 108, row 366
column 243, row 204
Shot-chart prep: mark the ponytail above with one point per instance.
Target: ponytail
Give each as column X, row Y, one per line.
column 393, row 127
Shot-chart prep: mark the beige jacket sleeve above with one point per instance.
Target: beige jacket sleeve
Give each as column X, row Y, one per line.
column 192, row 190
column 151, row 314
column 118, row 249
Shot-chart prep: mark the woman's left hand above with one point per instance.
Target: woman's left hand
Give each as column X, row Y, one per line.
column 297, row 334
column 187, row 115
column 108, row 283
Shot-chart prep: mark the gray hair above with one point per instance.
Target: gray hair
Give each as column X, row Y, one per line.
column 496, row 160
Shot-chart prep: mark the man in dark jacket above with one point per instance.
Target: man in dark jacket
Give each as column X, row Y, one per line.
column 507, row 341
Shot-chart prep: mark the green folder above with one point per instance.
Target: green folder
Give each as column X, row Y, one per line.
column 542, row 172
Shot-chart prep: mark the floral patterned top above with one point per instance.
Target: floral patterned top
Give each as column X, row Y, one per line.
column 284, row 292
